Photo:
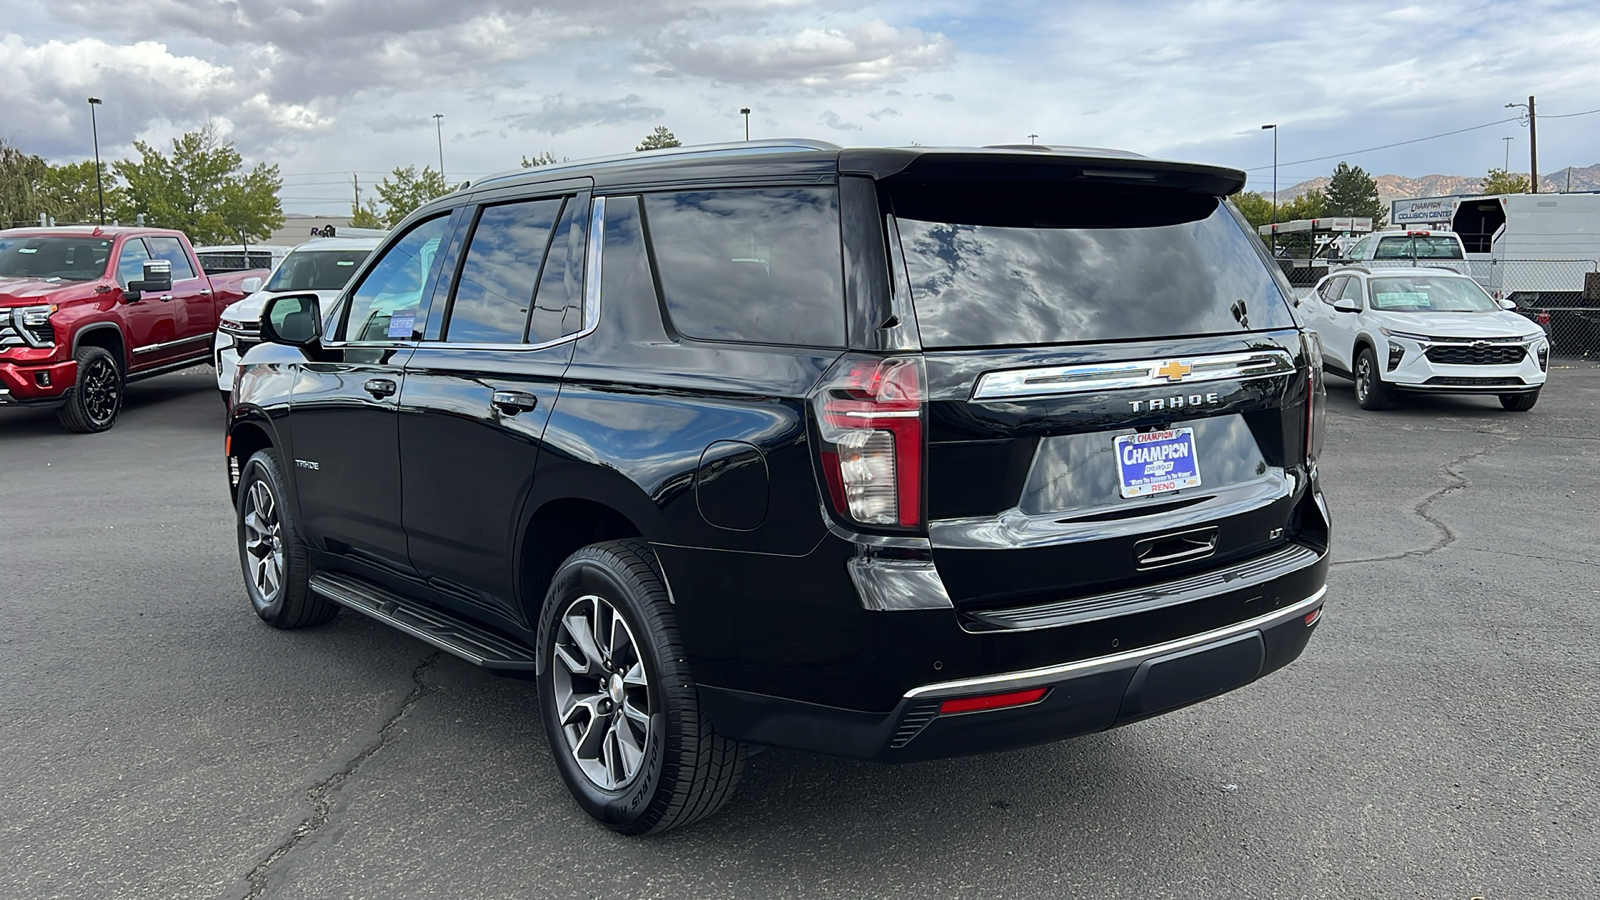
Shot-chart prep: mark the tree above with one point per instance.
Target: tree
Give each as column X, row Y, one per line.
column 660, row 139
column 1309, row 205
column 70, row 194
column 408, row 190
column 1499, row 181
column 544, row 158
column 1352, row 192
column 21, row 174
column 201, row 189
column 365, row 216
column 1256, row 209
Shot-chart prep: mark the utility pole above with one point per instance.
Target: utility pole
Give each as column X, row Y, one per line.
column 356, row 180
column 1274, row 129
column 99, row 188
column 1507, row 166
column 438, row 128
column 745, row 111
column 1533, row 142
column 1031, row 139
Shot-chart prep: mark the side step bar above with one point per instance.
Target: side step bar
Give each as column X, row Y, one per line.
column 473, row 643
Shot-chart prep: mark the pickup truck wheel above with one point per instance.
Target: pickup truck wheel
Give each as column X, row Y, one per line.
column 1370, row 390
column 1520, row 402
column 94, row 402
column 276, row 570
column 619, row 706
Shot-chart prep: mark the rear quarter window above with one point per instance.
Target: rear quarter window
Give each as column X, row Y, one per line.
column 759, row 266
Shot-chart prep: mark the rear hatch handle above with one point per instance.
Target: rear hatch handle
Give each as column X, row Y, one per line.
column 1170, row 549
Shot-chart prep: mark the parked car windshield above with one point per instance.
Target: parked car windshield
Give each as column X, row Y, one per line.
column 1421, row 293
column 62, row 258
column 316, row 270
column 1431, row 246
column 991, row 267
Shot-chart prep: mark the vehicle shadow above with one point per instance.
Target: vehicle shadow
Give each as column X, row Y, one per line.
column 140, row 399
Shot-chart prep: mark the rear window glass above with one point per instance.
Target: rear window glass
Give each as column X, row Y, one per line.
column 1418, row 247
column 316, row 270
column 758, row 266
column 1022, row 266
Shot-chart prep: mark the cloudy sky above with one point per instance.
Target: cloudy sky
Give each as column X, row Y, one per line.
column 326, row 88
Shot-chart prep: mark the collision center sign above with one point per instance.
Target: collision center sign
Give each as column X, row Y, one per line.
column 1421, row 209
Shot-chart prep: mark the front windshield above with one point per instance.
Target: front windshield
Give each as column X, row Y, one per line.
column 1422, row 246
column 1424, row 294
column 59, row 258
column 316, row 270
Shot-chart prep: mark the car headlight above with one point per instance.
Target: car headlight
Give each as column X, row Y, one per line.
column 33, row 323
column 1406, row 335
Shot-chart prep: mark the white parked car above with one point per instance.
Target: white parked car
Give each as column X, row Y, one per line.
column 1425, row 330
column 322, row 266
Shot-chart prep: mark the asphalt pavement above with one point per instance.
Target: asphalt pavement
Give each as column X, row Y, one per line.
column 1438, row 739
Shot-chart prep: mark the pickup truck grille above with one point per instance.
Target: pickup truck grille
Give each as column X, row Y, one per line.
column 1485, row 355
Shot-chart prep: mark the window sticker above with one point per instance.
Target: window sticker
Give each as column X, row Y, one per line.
column 1401, row 300
column 401, row 323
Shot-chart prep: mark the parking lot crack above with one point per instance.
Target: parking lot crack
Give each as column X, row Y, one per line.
column 322, row 792
column 1424, row 507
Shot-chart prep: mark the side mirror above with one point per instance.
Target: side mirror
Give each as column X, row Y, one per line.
column 294, row 320
column 1506, row 304
column 157, row 279
column 250, row 285
column 1345, row 304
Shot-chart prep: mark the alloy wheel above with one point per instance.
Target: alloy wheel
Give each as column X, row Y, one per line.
column 263, row 541
column 100, row 390
column 1363, row 374
column 601, row 693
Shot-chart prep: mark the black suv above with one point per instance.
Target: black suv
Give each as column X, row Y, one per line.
column 886, row 453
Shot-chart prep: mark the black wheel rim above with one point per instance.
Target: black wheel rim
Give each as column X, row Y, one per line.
column 102, row 393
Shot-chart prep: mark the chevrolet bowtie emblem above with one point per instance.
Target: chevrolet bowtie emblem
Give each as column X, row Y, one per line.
column 1173, row 370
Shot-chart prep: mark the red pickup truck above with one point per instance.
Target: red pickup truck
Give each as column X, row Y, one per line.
column 85, row 309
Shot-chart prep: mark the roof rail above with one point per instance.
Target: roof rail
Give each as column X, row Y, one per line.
column 1067, row 149
column 709, row 151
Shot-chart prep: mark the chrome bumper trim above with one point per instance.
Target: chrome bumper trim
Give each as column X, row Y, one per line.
column 1049, row 675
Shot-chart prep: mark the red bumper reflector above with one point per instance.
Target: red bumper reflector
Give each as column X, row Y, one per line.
column 1313, row 617
column 992, row 701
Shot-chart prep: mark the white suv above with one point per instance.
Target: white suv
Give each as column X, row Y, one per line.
column 1425, row 330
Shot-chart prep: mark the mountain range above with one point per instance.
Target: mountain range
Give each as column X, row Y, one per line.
column 1399, row 187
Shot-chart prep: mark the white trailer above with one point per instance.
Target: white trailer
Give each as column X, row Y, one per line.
column 1534, row 249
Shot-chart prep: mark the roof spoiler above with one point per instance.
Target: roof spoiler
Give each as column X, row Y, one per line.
column 1067, row 169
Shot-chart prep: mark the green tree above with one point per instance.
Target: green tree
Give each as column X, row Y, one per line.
column 660, row 139
column 1309, row 205
column 543, row 158
column 1499, row 181
column 365, row 216
column 407, row 190
column 71, row 195
column 201, row 189
column 1256, row 209
column 21, row 175
column 1352, row 192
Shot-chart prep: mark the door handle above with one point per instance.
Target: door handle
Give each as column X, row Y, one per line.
column 380, row 387
column 512, row 402
column 164, row 297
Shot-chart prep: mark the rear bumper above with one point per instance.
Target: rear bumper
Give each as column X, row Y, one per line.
column 20, row 384
column 1081, row 697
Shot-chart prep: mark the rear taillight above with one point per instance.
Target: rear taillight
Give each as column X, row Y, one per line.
column 870, row 415
column 1316, row 423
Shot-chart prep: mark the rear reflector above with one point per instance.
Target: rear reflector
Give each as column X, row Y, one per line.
column 1313, row 617
column 992, row 701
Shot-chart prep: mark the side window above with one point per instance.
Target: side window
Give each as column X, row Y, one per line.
column 1352, row 291
column 758, row 265
column 130, row 265
column 384, row 306
column 1330, row 291
column 495, row 288
column 558, row 309
column 171, row 250
column 1359, row 251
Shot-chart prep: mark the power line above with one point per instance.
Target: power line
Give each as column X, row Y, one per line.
column 1419, row 140
column 1568, row 115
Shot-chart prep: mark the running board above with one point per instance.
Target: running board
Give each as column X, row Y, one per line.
column 441, row 628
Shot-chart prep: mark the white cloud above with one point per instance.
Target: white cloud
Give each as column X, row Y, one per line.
column 853, row 58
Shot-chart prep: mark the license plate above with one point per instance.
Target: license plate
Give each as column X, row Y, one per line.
column 1157, row 461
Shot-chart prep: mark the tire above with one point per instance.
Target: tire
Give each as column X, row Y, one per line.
column 1520, row 402
column 655, row 763
column 1371, row 393
column 94, row 402
column 271, row 555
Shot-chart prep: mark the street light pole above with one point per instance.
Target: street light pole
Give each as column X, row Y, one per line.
column 1507, row 166
column 1533, row 143
column 99, row 188
column 1274, row 129
column 438, row 129
column 745, row 111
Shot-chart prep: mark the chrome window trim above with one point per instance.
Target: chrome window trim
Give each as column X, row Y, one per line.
column 1052, row 674
column 1076, row 379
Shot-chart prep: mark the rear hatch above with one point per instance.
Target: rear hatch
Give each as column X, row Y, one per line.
column 1117, row 392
